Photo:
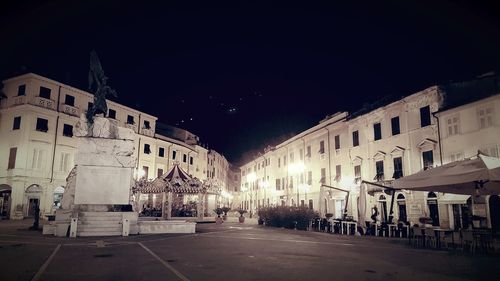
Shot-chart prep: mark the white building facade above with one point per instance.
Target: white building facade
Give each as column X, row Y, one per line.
column 37, row 146
column 316, row 167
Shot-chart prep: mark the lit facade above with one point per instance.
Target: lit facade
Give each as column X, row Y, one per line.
column 375, row 145
column 37, row 147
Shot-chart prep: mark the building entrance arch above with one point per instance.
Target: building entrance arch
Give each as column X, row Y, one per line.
column 32, row 196
column 5, row 195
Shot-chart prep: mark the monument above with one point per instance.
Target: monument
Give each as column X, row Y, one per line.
column 97, row 197
column 99, row 185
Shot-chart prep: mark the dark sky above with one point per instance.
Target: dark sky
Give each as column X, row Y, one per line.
column 281, row 68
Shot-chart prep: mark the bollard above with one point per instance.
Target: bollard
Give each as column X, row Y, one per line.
column 73, row 227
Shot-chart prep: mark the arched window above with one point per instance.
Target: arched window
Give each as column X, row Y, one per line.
column 433, row 208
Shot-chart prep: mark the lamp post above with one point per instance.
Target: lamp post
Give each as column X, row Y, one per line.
column 251, row 178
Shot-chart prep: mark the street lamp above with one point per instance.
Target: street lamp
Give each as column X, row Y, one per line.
column 251, row 178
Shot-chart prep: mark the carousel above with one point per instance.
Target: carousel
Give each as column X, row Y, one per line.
column 175, row 194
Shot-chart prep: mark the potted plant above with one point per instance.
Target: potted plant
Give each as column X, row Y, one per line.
column 219, row 212
column 241, row 218
column 225, row 210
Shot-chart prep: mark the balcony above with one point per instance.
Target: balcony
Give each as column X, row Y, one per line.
column 70, row 110
column 43, row 102
column 17, row 100
column 130, row 126
column 148, row 132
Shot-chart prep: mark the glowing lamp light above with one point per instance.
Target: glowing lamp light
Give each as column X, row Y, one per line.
column 304, row 187
column 252, row 177
column 263, row 184
column 141, row 173
column 296, row 168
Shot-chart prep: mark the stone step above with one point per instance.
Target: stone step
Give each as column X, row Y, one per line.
column 100, row 214
column 100, row 233
column 99, row 219
column 85, row 228
column 99, row 223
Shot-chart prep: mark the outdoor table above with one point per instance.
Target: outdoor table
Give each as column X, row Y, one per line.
column 401, row 230
column 347, row 224
column 392, row 228
column 338, row 223
column 376, row 230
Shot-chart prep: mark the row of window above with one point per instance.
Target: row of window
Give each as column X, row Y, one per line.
column 485, row 119
column 70, row 100
column 42, row 125
column 161, row 153
column 425, row 120
column 427, row 159
column 37, row 162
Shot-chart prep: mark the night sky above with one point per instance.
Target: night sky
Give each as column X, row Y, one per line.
column 243, row 76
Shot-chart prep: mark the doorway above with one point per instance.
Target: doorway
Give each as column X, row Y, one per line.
column 494, row 203
column 33, row 204
column 433, row 208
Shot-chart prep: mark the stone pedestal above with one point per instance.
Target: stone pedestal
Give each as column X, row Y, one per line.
column 103, row 174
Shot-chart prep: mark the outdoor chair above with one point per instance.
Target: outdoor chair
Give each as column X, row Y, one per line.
column 416, row 237
column 430, row 238
column 452, row 241
column 469, row 243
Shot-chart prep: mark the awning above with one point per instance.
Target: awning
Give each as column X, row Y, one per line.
column 450, row 198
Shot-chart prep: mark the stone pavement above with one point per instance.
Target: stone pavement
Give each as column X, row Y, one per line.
column 231, row 251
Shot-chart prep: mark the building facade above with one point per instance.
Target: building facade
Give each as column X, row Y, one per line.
column 37, row 146
column 324, row 166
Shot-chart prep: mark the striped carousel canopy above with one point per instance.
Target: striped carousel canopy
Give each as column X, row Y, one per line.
column 178, row 181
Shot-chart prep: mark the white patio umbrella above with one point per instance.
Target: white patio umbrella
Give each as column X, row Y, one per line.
column 362, row 207
column 476, row 176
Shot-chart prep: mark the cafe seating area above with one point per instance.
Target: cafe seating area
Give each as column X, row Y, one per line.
column 470, row 241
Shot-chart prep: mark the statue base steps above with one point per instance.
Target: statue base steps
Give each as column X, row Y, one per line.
column 164, row 226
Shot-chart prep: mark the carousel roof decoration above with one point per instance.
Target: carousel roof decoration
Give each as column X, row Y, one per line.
column 176, row 181
column 144, row 186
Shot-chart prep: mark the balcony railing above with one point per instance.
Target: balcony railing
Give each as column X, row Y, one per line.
column 130, row 126
column 43, row 102
column 17, row 100
column 148, row 132
column 70, row 110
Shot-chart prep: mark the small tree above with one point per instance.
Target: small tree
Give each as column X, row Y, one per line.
column 225, row 210
column 218, row 211
column 241, row 211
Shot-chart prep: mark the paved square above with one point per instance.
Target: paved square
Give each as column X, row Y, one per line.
column 230, row 251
